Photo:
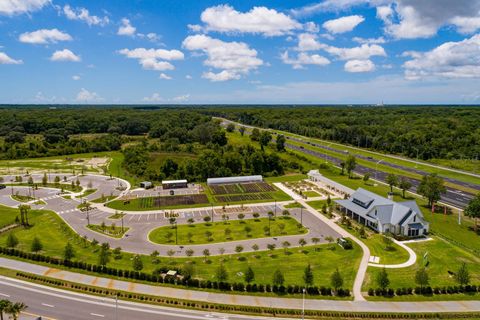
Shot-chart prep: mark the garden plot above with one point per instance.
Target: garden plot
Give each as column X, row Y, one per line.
column 306, row 189
column 234, row 188
column 157, row 202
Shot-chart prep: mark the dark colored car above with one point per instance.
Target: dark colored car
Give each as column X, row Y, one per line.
column 2, row 186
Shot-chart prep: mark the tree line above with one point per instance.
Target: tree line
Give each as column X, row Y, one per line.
column 427, row 132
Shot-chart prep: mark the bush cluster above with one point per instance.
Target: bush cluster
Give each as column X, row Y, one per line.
column 424, row 291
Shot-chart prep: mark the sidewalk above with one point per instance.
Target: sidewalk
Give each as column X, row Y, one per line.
column 232, row 299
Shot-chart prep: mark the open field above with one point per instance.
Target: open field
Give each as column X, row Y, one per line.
column 54, row 234
column 89, row 162
column 441, row 258
column 201, row 233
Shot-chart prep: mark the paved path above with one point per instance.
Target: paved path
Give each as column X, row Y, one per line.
column 362, row 269
column 232, row 299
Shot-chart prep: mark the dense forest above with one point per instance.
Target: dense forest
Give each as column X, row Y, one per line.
column 427, row 131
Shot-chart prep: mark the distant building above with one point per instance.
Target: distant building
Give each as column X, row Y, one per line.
column 174, row 184
column 242, row 179
column 384, row 215
column 146, row 185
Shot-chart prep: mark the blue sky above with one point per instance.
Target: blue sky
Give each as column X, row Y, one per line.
column 288, row 52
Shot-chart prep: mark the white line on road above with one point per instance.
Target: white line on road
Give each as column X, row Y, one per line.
column 97, row 315
column 4, row 295
column 48, row 305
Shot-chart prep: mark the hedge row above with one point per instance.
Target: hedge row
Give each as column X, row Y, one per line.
column 238, row 308
column 188, row 282
column 424, row 291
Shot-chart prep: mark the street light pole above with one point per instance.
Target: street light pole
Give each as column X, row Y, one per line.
column 176, row 232
column 275, row 208
column 212, row 213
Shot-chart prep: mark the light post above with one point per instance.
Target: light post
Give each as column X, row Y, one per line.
column 303, row 304
column 212, row 213
column 176, row 232
column 275, row 208
column 122, row 221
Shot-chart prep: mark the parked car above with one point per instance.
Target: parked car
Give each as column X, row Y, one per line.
column 345, row 243
column 2, row 186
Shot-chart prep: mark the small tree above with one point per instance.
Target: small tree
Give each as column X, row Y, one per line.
column 271, row 246
column 12, row 240
column 230, row 127
column 221, row 274
column 228, row 233
column 280, row 143
column 207, row 219
column 104, row 255
column 206, row 254
column 56, row 180
column 36, row 245
column 169, row 236
column 190, row 221
column 249, row 275
column 208, row 235
column 241, row 130
column 308, row 275
column 473, row 210
column 366, row 177
column 170, row 253
column 189, row 252
column 278, row 278
column 336, row 280
column 137, row 263
column 432, row 187
column 404, row 185
column 388, row 242
column 285, row 213
column 68, row 252
column 315, row 240
column 44, row 179
column 190, row 237
column 255, row 247
column 463, row 276
column 256, row 215
column 14, row 309
column 248, row 229
column 238, row 249
column 285, row 245
column 421, row 278
column 382, row 279
column 392, row 181
column 350, row 164
column 241, row 216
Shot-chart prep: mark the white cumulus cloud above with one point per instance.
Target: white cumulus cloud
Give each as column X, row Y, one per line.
column 44, row 36
column 65, row 55
column 76, row 77
column 259, row 20
column 343, row 24
column 165, row 76
column 303, row 59
column 155, row 97
column 308, row 42
column 126, row 29
column 450, row 60
column 85, row 96
column 5, row 59
column 153, row 59
column 359, row 66
column 13, row 7
column 363, row 52
column 82, row 14
column 234, row 59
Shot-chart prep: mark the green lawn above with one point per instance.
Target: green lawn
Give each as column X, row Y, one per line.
column 7, row 215
column 442, row 257
column 103, row 199
column 286, row 178
column 116, row 216
column 54, row 234
column 311, row 194
column 215, row 232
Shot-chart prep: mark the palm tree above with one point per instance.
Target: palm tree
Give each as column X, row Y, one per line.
column 4, row 305
column 24, row 214
column 14, row 309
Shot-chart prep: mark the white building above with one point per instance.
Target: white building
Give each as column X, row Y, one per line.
column 384, row 215
column 242, row 179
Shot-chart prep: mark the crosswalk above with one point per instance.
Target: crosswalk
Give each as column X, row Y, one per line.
column 51, row 197
column 68, row 211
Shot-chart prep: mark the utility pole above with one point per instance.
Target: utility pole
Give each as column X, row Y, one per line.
column 122, row 222
column 88, row 218
column 176, row 232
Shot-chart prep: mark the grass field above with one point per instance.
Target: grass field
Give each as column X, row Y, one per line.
column 311, row 194
column 21, row 198
column 441, row 256
column 201, row 233
column 54, row 234
column 7, row 215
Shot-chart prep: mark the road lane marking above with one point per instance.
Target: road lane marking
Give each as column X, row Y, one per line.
column 97, row 315
column 4, row 295
column 48, row 305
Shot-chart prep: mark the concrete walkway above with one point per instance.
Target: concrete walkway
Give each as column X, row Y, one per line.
column 362, row 269
column 233, row 299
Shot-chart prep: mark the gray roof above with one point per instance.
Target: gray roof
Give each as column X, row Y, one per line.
column 369, row 204
column 234, row 179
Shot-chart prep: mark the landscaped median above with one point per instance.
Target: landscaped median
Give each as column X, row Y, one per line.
column 229, row 230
